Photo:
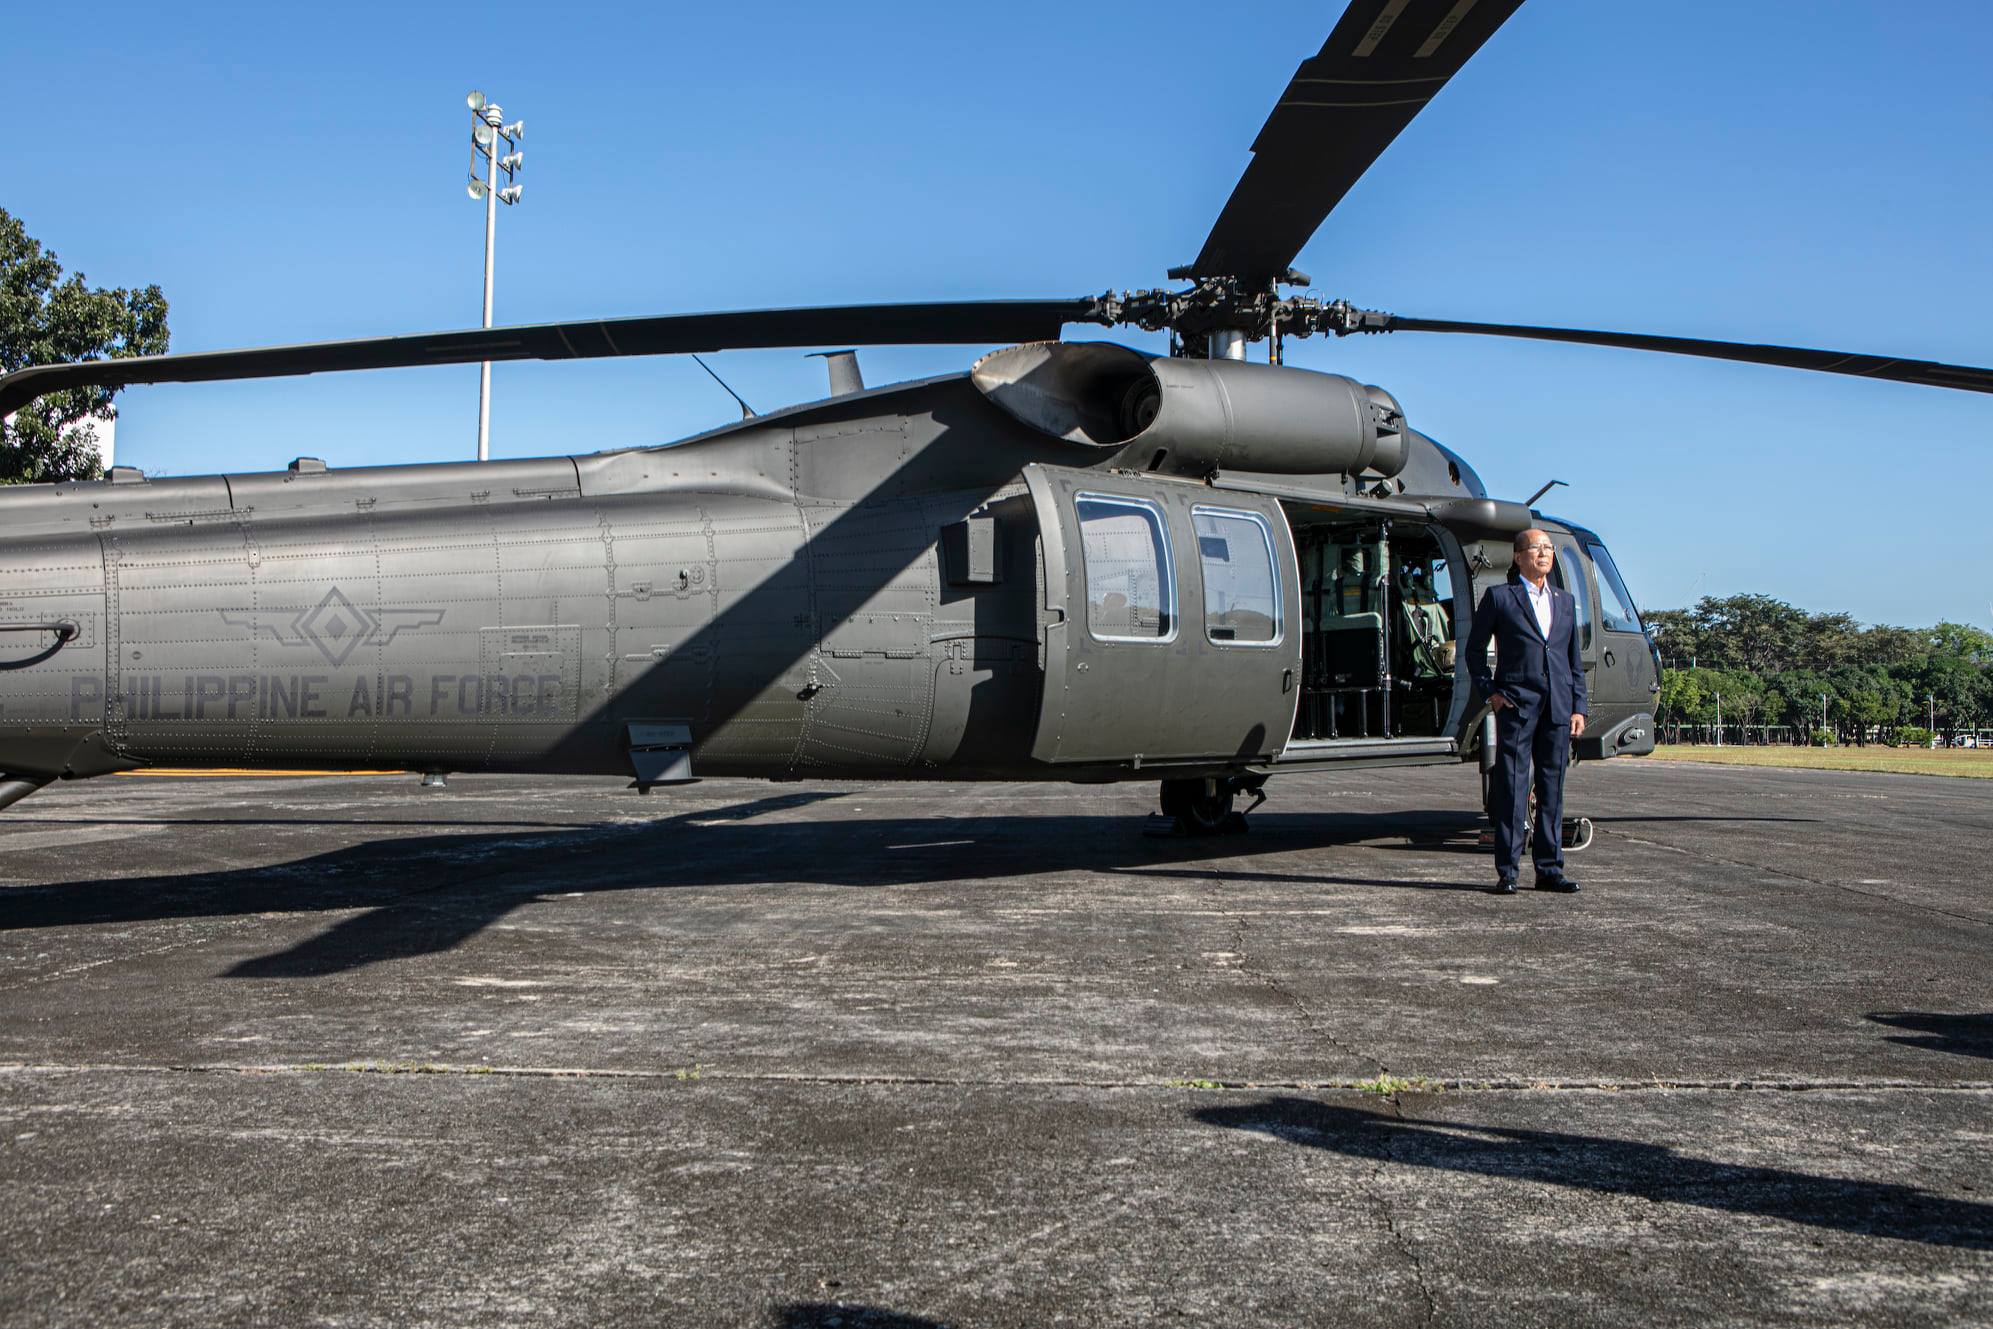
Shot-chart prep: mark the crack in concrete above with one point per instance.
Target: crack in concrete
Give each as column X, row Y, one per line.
column 698, row 1074
column 1399, row 1239
column 1301, row 1008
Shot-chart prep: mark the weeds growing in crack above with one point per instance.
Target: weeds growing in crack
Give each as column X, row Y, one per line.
column 1390, row 1086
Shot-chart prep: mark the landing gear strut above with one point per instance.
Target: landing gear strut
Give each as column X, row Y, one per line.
column 1576, row 832
column 1204, row 807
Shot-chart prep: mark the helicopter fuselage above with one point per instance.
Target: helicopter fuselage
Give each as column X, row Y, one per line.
column 910, row 582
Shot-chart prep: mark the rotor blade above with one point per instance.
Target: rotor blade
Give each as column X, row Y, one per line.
column 1380, row 66
column 1966, row 378
column 1342, row 108
column 966, row 322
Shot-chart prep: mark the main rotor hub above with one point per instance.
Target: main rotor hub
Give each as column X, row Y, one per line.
column 1222, row 304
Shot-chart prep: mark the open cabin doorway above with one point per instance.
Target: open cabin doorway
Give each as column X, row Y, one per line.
column 1380, row 622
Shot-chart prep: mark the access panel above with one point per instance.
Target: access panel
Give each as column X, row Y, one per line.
column 1167, row 620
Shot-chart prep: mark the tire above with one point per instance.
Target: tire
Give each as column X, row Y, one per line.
column 1198, row 811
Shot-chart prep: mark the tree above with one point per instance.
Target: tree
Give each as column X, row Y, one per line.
column 1866, row 697
column 1892, row 647
column 1957, row 675
column 1831, row 639
column 1677, row 634
column 1689, row 696
column 1742, row 693
column 45, row 318
column 1974, row 645
column 1756, row 633
column 1794, row 700
column 1681, row 699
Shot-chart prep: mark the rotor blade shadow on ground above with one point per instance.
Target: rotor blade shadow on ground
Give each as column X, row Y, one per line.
column 1618, row 1167
column 826, row 1314
column 1807, row 821
column 1968, row 1035
column 411, row 822
column 1297, row 879
column 786, row 617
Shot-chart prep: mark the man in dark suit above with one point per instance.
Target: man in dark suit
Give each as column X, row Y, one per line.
column 1537, row 691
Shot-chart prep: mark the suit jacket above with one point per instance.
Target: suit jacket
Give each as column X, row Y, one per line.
column 1528, row 665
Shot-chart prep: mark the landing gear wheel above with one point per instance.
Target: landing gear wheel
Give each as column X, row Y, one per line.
column 1203, row 807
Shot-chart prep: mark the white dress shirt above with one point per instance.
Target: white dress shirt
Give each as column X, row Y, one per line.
column 1539, row 600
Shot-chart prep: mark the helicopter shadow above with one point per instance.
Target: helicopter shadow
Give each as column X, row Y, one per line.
column 467, row 882
column 1608, row 1166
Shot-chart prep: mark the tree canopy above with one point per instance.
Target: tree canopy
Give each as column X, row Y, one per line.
column 1774, row 664
column 46, row 318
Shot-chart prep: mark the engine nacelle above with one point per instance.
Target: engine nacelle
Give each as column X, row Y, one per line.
column 1194, row 417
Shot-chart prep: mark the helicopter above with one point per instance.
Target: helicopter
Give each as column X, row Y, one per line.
column 1073, row 561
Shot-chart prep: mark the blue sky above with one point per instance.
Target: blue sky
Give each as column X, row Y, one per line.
column 1813, row 172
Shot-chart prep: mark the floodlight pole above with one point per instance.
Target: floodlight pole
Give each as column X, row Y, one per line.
column 490, row 116
column 488, row 132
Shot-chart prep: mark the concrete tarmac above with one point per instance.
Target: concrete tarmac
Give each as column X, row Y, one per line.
column 346, row 1051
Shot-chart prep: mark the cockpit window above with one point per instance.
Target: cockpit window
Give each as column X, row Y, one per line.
column 1571, row 572
column 1616, row 611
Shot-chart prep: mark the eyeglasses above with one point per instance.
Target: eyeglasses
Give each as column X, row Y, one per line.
column 1538, row 549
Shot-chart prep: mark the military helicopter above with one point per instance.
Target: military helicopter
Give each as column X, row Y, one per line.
column 1073, row 561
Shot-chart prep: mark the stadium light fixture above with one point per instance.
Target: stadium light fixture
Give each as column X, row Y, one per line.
column 489, row 137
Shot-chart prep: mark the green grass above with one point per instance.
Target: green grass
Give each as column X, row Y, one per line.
column 1973, row 763
column 1398, row 1084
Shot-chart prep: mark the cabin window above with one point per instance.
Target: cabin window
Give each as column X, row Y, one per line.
column 1130, row 588
column 1241, row 584
column 1616, row 611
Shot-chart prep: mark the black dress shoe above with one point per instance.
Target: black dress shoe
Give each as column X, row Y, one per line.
column 1556, row 881
column 1506, row 886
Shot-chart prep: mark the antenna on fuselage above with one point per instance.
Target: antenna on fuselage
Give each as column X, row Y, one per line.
column 746, row 411
column 1529, row 502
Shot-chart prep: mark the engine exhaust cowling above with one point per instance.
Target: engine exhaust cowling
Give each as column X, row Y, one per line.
column 1194, row 417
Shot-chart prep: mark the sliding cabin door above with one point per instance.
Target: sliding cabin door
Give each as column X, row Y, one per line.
column 1168, row 632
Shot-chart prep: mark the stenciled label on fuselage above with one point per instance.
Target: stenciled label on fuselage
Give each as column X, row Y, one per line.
column 296, row 696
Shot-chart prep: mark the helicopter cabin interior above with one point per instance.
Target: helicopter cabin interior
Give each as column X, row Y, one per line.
column 1377, row 617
